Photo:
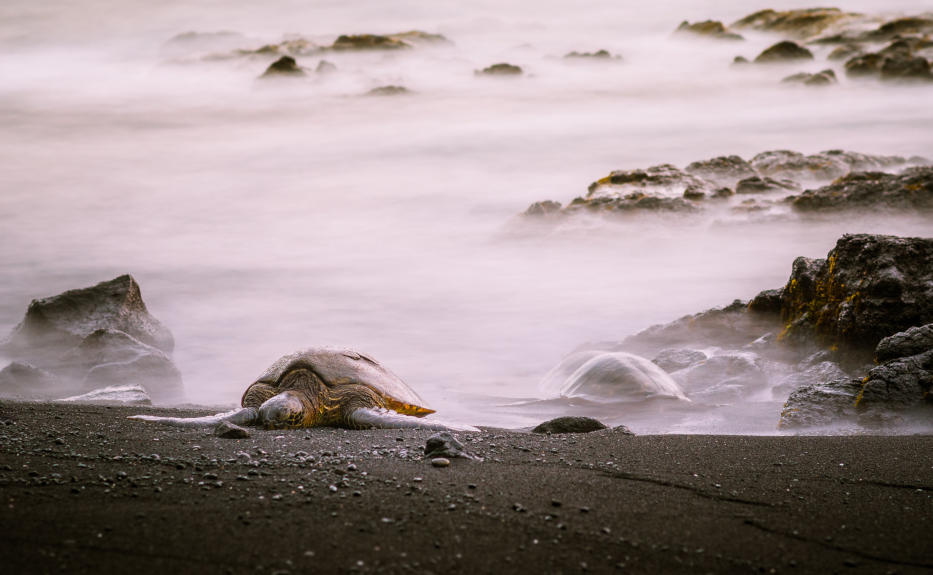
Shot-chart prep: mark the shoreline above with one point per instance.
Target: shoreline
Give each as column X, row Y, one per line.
column 86, row 490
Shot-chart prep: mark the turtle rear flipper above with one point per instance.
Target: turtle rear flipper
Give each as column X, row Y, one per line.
column 238, row 416
column 367, row 417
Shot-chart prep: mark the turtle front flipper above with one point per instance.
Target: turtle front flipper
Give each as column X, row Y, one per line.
column 368, row 417
column 238, row 416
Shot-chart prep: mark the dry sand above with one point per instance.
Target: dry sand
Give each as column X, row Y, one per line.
column 84, row 490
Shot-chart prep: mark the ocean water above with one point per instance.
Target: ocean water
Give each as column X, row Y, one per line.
column 262, row 217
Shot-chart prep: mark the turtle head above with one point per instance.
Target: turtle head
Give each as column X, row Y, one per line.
column 285, row 410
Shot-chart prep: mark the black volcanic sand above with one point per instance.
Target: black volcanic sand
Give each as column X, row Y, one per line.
column 84, row 490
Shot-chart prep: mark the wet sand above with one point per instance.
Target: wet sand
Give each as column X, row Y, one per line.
column 85, row 490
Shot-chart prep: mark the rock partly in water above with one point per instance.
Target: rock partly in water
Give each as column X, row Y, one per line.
column 545, row 208
column 55, row 324
column 785, row 51
column 908, row 68
column 284, row 66
column 389, row 91
column 818, row 374
column 20, row 379
column 845, row 52
column 723, row 170
column 802, row 24
column 821, row 404
column 228, row 430
column 868, row 288
column 708, row 29
column 825, row 78
column 349, row 42
column 676, row 358
column 759, row 185
column 911, row 190
column 445, row 445
column 93, row 338
column 616, row 377
column 597, row 55
column 570, row 425
column 501, row 69
column 905, row 382
column 325, row 67
column 727, row 376
column 128, row 394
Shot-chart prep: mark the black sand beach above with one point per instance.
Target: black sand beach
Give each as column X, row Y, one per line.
column 84, row 490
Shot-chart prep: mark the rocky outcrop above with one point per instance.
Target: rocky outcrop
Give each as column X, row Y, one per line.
column 776, row 176
column 800, row 24
column 91, row 338
column 868, row 287
column 910, row 190
column 913, row 341
column 785, row 51
column 708, row 29
column 501, row 69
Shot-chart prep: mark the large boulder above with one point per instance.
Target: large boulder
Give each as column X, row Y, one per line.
column 910, row 190
column 91, row 338
column 821, row 404
column 868, row 287
column 58, row 323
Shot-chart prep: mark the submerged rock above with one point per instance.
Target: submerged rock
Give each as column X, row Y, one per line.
column 389, row 91
column 911, row 190
column 708, row 29
column 284, row 66
column 127, row 394
column 784, row 52
column 597, row 55
column 570, row 425
column 501, row 69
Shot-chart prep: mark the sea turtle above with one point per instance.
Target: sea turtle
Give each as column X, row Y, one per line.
column 323, row 387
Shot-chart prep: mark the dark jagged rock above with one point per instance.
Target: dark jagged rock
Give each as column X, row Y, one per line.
column 904, row 382
column 818, row 374
column 389, row 91
column 284, row 66
column 597, row 55
column 501, row 69
column 825, row 78
column 868, row 288
column 784, row 51
column 569, row 425
column 758, row 185
column 910, row 190
column 821, row 404
column 724, row 170
column 228, row 430
column 445, row 445
column 708, row 29
column 55, row 324
column 768, row 301
column 675, row 359
column 913, row 341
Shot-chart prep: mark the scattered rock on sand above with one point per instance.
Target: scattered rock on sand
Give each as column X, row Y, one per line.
column 445, row 445
column 501, row 69
column 569, row 425
column 785, row 51
column 228, row 430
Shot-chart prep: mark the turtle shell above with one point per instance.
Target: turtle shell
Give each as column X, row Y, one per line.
column 338, row 367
